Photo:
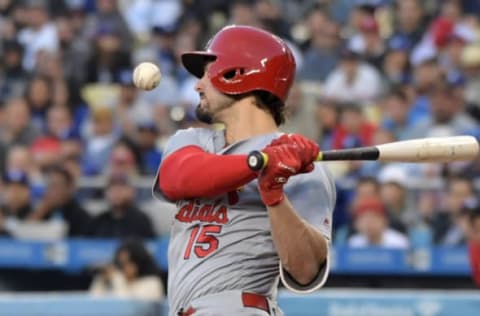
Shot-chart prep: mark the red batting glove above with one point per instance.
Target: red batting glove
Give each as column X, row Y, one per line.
column 283, row 161
column 308, row 149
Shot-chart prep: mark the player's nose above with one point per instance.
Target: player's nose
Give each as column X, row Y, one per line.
column 199, row 86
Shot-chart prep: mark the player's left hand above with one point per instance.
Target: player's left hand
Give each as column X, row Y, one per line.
column 308, row 149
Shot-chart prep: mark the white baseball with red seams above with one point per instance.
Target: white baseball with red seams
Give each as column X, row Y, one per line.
column 147, row 76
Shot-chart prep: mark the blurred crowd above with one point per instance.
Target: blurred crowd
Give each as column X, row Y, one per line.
column 77, row 139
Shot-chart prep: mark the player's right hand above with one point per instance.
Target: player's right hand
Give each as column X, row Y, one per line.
column 284, row 161
column 308, row 149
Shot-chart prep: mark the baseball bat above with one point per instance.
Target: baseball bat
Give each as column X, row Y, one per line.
column 430, row 149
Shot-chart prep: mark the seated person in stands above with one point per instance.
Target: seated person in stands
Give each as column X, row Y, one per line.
column 474, row 243
column 449, row 222
column 133, row 274
column 123, row 218
column 150, row 155
column 371, row 223
column 16, row 200
column 59, row 202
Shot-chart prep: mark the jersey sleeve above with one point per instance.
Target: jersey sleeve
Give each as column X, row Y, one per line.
column 182, row 138
column 313, row 196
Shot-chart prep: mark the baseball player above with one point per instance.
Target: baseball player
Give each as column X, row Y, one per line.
column 236, row 231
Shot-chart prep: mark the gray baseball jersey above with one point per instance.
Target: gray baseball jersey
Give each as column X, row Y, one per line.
column 224, row 243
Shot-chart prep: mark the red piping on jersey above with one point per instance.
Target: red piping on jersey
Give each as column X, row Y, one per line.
column 474, row 251
column 191, row 172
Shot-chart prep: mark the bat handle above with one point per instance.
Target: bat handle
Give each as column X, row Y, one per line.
column 257, row 160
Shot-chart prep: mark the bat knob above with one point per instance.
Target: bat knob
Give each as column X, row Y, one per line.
column 256, row 160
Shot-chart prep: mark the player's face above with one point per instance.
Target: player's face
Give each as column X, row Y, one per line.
column 212, row 102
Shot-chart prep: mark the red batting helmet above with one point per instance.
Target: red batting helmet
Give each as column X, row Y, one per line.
column 245, row 59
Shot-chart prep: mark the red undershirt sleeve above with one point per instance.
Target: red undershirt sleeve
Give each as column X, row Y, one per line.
column 191, row 172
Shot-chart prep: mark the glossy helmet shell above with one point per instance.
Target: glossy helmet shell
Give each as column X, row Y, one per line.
column 245, row 59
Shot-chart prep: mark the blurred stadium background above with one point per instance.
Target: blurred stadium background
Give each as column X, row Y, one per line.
column 79, row 146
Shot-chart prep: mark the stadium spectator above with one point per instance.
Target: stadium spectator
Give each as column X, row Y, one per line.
column 122, row 218
column 321, row 49
column 372, row 227
column 410, row 20
column 41, row 35
column 131, row 108
column 242, row 13
column 397, row 116
column 9, row 29
column 107, row 59
column 425, row 74
column 354, row 129
column 100, row 139
column 74, row 52
column 59, row 203
column 150, row 155
column 17, row 203
column 14, row 78
column 450, row 54
column 353, row 80
column 396, row 65
column 39, row 95
column 132, row 274
column 327, row 117
column 270, row 15
column 122, row 161
column 109, row 17
column 395, row 196
column 365, row 188
column 359, row 11
column 447, row 109
column 20, row 159
column 369, row 43
column 449, row 222
column 16, row 127
column 163, row 48
column 470, row 61
column 474, row 243
column 47, row 149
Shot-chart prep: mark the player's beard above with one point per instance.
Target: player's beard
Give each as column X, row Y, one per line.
column 203, row 115
column 207, row 115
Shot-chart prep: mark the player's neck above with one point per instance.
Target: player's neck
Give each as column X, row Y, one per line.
column 246, row 121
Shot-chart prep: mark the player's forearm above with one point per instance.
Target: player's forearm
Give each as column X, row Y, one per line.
column 191, row 172
column 302, row 249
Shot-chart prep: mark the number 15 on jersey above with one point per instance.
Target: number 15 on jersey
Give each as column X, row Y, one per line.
column 203, row 240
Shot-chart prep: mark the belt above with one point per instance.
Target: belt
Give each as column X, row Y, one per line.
column 248, row 299
column 255, row 301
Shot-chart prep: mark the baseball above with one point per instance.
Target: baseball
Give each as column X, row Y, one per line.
column 146, row 76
